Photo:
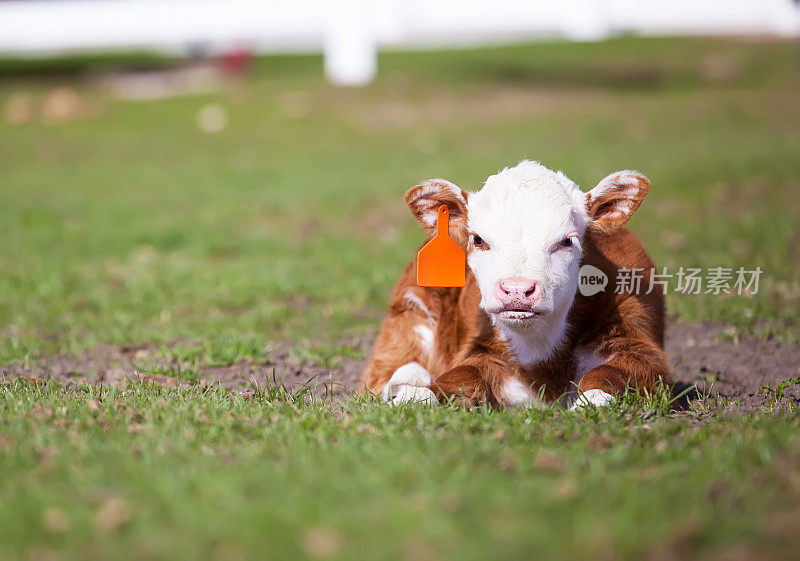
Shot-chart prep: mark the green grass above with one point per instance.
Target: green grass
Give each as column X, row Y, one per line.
column 197, row 473
column 288, row 228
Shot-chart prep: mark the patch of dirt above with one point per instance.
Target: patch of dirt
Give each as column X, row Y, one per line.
column 750, row 371
column 753, row 372
column 110, row 364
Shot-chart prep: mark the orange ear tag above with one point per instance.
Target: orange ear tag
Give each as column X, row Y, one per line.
column 441, row 262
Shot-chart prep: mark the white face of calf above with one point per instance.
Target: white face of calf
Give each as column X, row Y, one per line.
column 523, row 232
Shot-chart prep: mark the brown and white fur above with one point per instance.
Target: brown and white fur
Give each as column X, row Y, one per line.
column 519, row 333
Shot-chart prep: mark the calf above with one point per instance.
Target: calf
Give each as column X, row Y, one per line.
column 519, row 333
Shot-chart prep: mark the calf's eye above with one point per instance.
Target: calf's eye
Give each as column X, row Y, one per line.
column 566, row 242
column 477, row 240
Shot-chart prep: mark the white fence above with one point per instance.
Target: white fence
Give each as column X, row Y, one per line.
column 350, row 32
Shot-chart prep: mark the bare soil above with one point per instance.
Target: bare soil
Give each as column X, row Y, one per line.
column 754, row 373
column 749, row 371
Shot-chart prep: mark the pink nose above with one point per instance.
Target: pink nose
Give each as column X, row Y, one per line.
column 517, row 290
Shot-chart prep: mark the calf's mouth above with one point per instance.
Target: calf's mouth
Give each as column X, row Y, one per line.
column 517, row 313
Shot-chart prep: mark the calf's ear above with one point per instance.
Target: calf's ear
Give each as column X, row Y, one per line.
column 613, row 201
column 425, row 199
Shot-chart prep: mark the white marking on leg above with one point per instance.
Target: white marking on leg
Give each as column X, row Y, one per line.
column 594, row 398
column 405, row 382
column 413, row 298
column 516, row 394
column 414, row 394
column 426, row 337
column 585, row 360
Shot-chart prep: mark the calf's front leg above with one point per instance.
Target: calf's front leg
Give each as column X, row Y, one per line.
column 465, row 384
column 632, row 364
column 477, row 379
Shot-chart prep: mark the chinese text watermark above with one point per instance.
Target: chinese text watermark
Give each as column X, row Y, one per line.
column 686, row 280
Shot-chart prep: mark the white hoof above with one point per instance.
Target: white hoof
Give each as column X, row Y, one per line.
column 413, row 394
column 594, row 398
column 406, row 383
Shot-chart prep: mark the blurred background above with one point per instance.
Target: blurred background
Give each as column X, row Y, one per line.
column 224, row 175
column 349, row 32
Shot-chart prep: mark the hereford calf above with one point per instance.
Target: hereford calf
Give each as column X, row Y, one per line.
column 519, row 333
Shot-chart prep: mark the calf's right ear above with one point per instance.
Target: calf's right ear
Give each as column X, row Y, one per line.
column 425, row 199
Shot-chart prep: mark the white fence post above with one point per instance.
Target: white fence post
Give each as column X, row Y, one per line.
column 351, row 52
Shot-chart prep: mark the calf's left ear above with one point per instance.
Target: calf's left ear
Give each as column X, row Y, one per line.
column 425, row 199
column 613, row 201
